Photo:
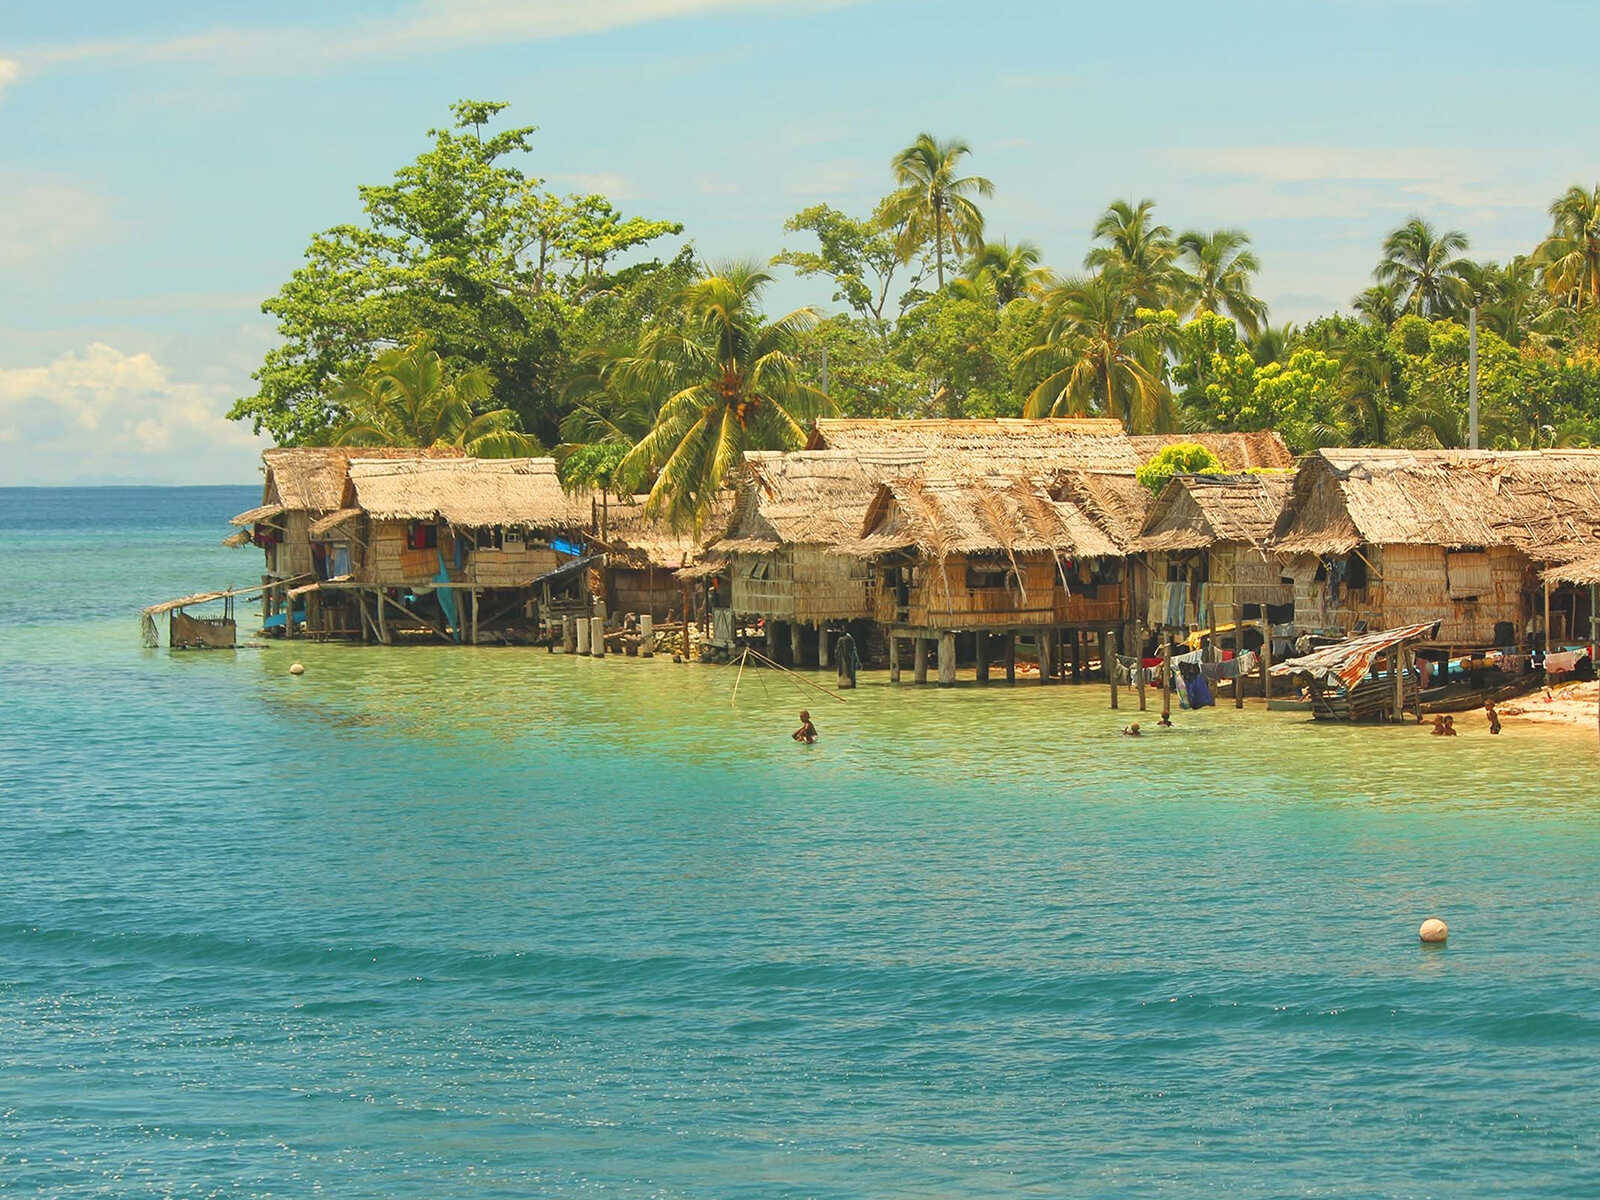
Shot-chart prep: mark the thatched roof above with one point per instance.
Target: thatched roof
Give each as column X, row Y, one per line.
column 1114, row 500
column 1000, row 443
column 472, row 492
column 1237, row 451
column 1197, row 511
column 1580, row 570
column 312, row 478
column 942, row 515
column 806, row 497
column 636, row 540
column 1543, row 502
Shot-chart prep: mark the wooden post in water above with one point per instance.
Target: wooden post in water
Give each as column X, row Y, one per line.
column 1044, row 639
column 1166, row 675
column 584, row 630
column 795, row 634
column 983, row 656
column 1011, row 657
column 1077, row 655
column 919, row 661
column 1108, row 658
column 947, row 658
column 894, row 659
column 383, row 624
column 1138, row 659
column 475, row 606
column 1266, row 662
column 597, row 637
column 683, row 592
column 647, row 635
column 822, row 644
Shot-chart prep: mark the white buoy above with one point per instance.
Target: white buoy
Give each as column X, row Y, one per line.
column 297, row 669
column 1433, row 931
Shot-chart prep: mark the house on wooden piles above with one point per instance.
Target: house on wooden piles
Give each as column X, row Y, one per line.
column 302, row 485
column 651, row 567
column 1205, row 557
column 790, row 512
column 984, row 555
column 1376, row 539
column 461, row 548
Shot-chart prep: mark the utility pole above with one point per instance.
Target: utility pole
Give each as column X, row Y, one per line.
column 824, row 368
column 1472, row 375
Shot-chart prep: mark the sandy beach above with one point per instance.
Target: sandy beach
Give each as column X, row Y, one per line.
column 1568, row 704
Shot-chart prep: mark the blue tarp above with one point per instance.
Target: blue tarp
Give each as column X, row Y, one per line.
column 447, row 598
column 275, row 621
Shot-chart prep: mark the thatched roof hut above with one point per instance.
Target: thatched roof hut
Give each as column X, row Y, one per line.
column 1545, row 503
column 1196, row 512
column 467, row 492
column 1002, row 443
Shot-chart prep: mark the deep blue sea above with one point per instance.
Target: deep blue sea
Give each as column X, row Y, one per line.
column 454, row 922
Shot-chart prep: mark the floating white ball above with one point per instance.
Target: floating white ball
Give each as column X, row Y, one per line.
column 297, row 669
column 1433, row 931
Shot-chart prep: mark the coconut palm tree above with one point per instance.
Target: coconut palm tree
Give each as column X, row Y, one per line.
column 932, row 205
column 1011, row 271
column 1139, row 250
column 1570, row 256
column 1379, row 305
column 1092, row 355
column 727, row 380
column 1218, row 267
column 1424, row 266
column 406, row 397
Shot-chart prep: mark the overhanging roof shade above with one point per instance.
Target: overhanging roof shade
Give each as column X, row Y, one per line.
column 1348, row 662
column 567, row 570
column 323, row 524
column 260, row 513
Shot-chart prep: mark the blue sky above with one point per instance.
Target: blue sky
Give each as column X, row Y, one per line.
column 162, row 166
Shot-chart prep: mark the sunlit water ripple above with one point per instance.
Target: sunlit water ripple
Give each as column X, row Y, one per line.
column 455, row 922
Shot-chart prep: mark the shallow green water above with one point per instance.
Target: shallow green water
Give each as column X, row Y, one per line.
column 456, row 922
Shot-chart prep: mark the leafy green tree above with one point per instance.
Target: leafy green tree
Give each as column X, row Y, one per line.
column 727, row 380
column 861, row 258
column 1220, row 269
column 1424, row 266
column 933, row 206
column 1002, row 271
column 1181, row 458
column 461, row 244
column 1091, row 354
column 1302, row 399
column 408, row 397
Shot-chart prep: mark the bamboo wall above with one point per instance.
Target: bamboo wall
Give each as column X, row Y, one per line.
column 940, row 598
column 292, row 556
column 644, row 590
column 1234, row 574
column 802, row 583
column 389, row 563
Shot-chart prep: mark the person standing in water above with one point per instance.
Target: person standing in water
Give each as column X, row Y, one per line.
column 1494, row 717
column 807, row 732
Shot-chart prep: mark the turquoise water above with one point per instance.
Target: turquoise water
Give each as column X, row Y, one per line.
column 454, row 922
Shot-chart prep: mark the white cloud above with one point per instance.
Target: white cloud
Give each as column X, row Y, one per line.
column 40, row 216
column 101, row 414
column 423, row 27
column 10, row 68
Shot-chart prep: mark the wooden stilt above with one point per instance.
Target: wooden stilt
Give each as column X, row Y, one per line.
column 795, row 643
column 1046, row 642
column 597, row 637
column 585, row 630
column 1077, row 656
column 683, row 590
column 919, row 667
column 1266, row 661
column 1011, row 657
column 894, row 659
column 647, row 636
column 1166, row 675
column 983, row 657
column 822, row 645
column 475, row 606
column 1138, row 657
column 383, row 622
column 1108, row 657
column 947, row 658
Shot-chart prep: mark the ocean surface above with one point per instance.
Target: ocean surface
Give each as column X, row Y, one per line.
column 449, row 922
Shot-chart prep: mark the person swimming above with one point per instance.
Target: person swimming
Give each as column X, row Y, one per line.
column 1450, row 727
column 1438, row 727
column 807, row 732
column 1132, row 730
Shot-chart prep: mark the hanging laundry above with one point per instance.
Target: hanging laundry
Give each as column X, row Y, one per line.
column 1562, row 662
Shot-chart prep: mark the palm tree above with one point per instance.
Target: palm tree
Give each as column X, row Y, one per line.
column 1012, row 272
column 1424, row 266
column 932, row 204
column 727, row 380
column 405, row 397
column 1137, row 248
column 1570, row 256
column 1379, row 305
column 1092, row 355
column 1219, row 269
column 1272, row 343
